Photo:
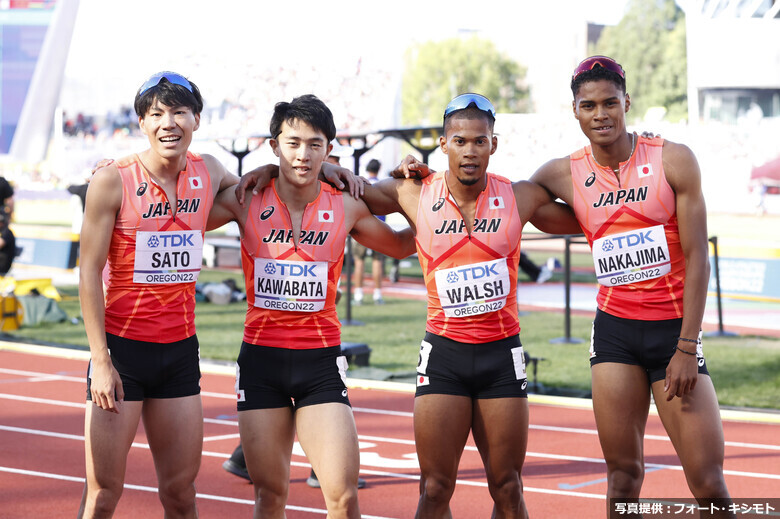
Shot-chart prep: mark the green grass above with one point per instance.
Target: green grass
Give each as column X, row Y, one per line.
column 745, row 369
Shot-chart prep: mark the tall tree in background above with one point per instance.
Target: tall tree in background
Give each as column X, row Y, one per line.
column 650, row 43
column 438, row 71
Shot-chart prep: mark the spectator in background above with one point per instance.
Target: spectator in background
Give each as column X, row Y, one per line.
column 6, row 198
column 7, row 245
column 360, row 252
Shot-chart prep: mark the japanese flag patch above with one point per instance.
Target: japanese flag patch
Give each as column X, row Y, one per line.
column 195, row 183
column 496, row 202
column 325, row 216
column 422, row 380
column 645, row 170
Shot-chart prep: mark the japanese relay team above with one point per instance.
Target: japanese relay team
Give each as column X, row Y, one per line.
column 637, row 199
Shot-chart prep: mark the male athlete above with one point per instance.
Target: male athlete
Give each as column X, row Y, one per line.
column 640, row 204
column 146, row 215
column 471, row 371
column 290, row 371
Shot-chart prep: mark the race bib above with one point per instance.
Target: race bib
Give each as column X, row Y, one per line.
column 631, row 256
column 166, row 257
column 291, row 286
column 473, row 289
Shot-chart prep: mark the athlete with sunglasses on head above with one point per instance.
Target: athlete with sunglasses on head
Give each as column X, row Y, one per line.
column 146, row 215
column 471, row 372
column 640, row 203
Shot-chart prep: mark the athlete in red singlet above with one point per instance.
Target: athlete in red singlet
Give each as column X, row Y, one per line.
column 146, row 215
column 641, row 206
column 290, row 371
column 471, row 371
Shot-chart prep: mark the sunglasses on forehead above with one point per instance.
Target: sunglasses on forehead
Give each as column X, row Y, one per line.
column 463, row 101
column 171, row 77
column 598, row 61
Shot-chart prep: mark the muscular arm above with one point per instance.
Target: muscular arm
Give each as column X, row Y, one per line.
column 104, row 198
column 684, row 176
column 535, row 204
column 227, row 209
column 376, row 234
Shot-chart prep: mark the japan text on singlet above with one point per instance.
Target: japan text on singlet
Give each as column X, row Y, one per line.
column 631, row 225
column 291, row 290
column 155, row 254
column 471, row 280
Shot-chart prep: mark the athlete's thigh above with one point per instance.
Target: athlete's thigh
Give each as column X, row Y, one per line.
column 328, row 436
column 693, row 424
column 174, row 429
column 267, row 438
column 108, row 437
column 441, row 428
column 621, row 401
column 501, row 433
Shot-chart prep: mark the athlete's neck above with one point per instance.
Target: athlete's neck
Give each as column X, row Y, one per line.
column 296, row 197
column 612, row 155
column 163, row 169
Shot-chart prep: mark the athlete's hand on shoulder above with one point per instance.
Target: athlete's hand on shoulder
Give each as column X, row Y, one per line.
column 681, row 375
column 102, row 163
column 342, row 179
column 106, row 386
column 410, row 167
column 649, row 135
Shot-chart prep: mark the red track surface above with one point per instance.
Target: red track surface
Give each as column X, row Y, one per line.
column 42, row 454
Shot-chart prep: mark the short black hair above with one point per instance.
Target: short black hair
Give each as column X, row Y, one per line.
column 373, row 166
column 471, row 112
column 169, row 94
column 307, row 108
column 597, row 73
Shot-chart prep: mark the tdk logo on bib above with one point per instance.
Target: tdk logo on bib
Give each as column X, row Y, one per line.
column 472, row 273
column 171, row 240
column 628, row 240
column 291, row 269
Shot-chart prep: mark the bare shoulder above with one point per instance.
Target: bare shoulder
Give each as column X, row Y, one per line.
column 680, row 165
column 552, row 170
column 215, row 167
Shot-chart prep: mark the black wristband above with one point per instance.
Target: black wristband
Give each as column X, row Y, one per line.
column 682, row 350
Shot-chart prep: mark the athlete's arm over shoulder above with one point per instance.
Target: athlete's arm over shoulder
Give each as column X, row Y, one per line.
column 684, row 176
column 221, row 178
column 226, row 209
column 536, row 204
column 104, row 199
column 555, row 176
column 376, row 234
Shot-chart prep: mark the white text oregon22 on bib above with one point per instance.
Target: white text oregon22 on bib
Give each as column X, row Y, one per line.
column 473, row 289
column 164, row 257
column 291, row 286
column 631, row 256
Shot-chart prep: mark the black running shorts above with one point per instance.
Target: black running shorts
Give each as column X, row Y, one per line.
column 268, row 378
column 152, row 369
column 485, row 370
column 649, row 344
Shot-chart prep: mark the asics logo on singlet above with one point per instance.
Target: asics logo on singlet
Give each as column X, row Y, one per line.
column 153, row 242
column 265, row 215
column 591, row 179
column 438, row 205
column 141, row 189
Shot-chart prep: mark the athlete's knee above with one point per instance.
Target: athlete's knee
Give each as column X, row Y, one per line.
column 344, row 504
column 270, row 501
column 178, row 499
column 507, row 493
column 437, row 489
column 625, row 479
column 708, row 483
column 101, row 502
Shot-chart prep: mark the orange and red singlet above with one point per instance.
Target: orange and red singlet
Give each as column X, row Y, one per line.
column 291, row 290
column 155, row 254
column 631, row 225
column 471, row 279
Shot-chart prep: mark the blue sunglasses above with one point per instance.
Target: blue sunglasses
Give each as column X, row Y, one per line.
column 463, row 101
column 171, row 77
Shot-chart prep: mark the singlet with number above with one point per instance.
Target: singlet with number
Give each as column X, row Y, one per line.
column 291, row 290
column 155, row 254
column 631, row 226
column 471, row 279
